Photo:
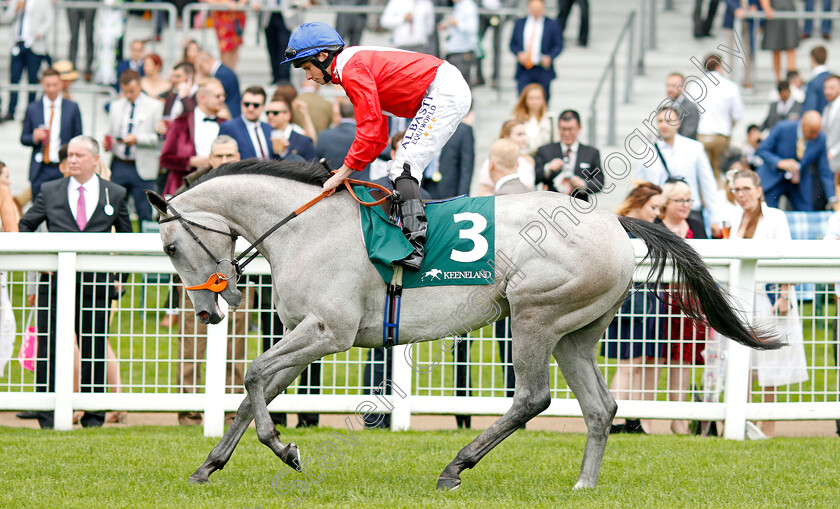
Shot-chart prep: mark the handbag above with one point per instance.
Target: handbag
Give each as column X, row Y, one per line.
column 29, row 346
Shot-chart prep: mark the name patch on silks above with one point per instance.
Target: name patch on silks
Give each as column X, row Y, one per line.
column 460, row 242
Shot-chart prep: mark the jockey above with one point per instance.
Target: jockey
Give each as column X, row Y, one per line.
column 386, row 81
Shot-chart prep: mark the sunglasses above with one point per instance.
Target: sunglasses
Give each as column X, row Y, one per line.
column 252, row 105
column 275, row 112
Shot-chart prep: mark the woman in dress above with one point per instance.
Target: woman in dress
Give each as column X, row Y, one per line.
column 685, row 337
column 780, row 34
column 775, row 305
column 632, row 337
column 229, row 26
column 152, row 83
column 532, row 110
column 515, row 131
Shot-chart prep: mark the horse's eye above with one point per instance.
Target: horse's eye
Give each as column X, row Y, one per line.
column 169, row 250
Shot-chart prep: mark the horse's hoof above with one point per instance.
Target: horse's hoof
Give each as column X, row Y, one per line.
column 291, row 457
column 582, row 485
column 198, row 479
column 448, row 483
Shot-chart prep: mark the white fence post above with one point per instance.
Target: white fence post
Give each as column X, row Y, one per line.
column 214, row 381
column 742, row 287
column 64, row 326
column 401, row 414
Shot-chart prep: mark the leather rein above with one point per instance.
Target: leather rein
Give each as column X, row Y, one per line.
column 217, row 281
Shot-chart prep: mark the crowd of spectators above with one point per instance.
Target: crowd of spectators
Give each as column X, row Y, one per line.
column 174, row 121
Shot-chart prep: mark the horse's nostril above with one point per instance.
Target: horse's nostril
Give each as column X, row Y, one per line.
column 204, row 315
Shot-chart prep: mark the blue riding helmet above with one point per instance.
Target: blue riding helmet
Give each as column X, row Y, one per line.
column 309, row 40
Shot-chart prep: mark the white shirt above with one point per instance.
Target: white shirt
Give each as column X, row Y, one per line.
column 525, row 172
column 55, row 127
column 723, row 105
column 686, row 159
column 782, row 108
column 573, row 151
column 120, row 149
column 832, row 115
column 205, row 133
column 91, row 195
column 409, row 33
column 819, row 70
column 504, row 180
column 533, row 28
column 257, row 135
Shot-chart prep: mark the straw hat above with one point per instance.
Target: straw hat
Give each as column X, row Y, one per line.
column 65, row 70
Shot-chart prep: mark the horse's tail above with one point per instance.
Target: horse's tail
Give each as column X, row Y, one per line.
column 697, row 293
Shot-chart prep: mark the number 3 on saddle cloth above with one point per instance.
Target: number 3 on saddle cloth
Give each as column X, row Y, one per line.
column 460, row 249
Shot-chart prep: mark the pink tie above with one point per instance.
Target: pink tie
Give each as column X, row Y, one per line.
column 81, row 210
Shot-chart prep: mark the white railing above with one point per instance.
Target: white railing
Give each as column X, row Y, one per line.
column 148, row 359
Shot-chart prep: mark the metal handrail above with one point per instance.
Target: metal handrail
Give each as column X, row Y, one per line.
column 132, row 6
column 610, row 70
column 81, row 89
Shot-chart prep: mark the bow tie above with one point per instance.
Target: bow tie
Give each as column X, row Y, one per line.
column 210, row 119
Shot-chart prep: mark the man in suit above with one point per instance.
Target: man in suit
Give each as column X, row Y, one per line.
column 831, row 121
column 208, row 66
column 814, row 94
column 786, row 108
column 252, row 136
column 187, row 144
column 796, row 164
column 689, row 113
column 536, row 42
column 276, row 39
column 75, row 17
column 135, row 60
column 181, row 97
column 563, row 17
column 503, row 164
column 450, row 174
column 334, row 143
column 32, row 24
column 81, row 202
column 569, row 166
column 134, row 143
column 47, row 125
column 287, row 141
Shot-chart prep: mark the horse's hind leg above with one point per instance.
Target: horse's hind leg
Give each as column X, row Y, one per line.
column 531, row 357
column 575, row 354
column 219, row 456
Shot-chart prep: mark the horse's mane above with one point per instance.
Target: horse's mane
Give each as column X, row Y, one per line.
column 307, row 172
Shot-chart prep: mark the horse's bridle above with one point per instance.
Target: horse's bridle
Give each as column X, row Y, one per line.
column 217, row 281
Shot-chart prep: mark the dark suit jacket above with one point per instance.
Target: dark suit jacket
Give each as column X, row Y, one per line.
column 456, row 163
column 231, row 85
column 814, row 95
column 52, row 205
column 302, row 146
column 124, row 65
column 588, row 160
column 690, row 115
column 236, row 129
column 169, row 101
column 551, row 44
column 334, row 144
column 781, row 144
column 695, row 226
column 177, row 149
column 774, row 118
column 71, row 126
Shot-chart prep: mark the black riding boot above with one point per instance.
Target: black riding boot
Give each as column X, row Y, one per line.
column 413, row 218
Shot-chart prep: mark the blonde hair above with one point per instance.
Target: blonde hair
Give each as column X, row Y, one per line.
column 508, row 126
column 520, row 111
column 504, row 154
column 671, row 189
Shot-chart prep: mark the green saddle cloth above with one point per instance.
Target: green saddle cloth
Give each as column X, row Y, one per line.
column 460, row 242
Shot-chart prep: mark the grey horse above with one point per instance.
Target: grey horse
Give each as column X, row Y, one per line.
column 561, row 272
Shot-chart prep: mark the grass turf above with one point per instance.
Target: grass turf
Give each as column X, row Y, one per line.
column 149, row 467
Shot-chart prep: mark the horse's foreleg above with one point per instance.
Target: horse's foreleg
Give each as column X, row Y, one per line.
column 309, row 341
column 532, row 396
column 575, row 354
column 220, row 454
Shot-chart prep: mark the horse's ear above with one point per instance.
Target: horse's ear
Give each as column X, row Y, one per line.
column 158, row 202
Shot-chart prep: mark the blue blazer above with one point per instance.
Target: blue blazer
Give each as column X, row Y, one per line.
column 552, row 42
column 124, row 65
column 781, row 144
column 814, row 95
column 71, row 126
column 236, row 129
column 231, row 85
column 302, row 146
